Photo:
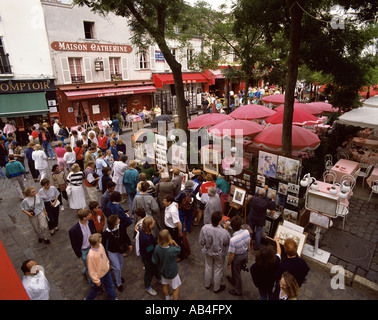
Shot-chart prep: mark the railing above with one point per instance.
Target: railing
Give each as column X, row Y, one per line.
column 77, row 79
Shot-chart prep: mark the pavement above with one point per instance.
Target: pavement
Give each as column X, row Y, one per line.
column 63, row 268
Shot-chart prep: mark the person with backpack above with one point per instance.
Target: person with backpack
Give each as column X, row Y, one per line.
column 186, row 200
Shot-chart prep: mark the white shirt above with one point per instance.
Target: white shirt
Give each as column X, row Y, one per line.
column 40, row 158
column 37, row 287
column 70, row 157
column 171, row 215
column 56, row 128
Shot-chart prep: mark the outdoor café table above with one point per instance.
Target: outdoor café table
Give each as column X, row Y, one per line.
column 343, row 167
column 361, row 142
column 359, row 155
column 373, row 176
column 324, row 187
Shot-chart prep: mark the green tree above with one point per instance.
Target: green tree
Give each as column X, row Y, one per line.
column 153, row 21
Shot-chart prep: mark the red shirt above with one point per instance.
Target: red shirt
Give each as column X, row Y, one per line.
column 102, row 142
column 206, row 185
column 79, row 153
column 35, row 134
column 99, row 220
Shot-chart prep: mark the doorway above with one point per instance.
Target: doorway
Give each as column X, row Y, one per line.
column 113, row 107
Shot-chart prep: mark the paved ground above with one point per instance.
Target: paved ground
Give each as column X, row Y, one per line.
column 63, row 269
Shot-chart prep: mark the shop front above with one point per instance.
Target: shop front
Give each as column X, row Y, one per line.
column 26, row 102
column 89, row 104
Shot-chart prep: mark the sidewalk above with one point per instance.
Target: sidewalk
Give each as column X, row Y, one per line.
column 63, row 268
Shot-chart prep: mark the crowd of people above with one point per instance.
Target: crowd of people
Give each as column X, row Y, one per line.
column 93, row 165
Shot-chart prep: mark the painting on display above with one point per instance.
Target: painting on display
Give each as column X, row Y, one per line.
column 161, row 141
column 283, row 233
column 179, row 157
column 287, row 169
column 210, row 160
column 267, row 164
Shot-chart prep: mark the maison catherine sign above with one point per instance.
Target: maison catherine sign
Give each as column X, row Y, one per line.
column 90, row 47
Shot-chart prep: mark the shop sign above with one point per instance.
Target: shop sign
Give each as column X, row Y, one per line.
column 19, row 86
column 90, row 47
column 159, row 56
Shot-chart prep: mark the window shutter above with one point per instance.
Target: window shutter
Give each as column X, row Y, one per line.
column 107, row 76
column 66, row 74
column 136, row 59
column 184, row 59
column 152, row 57
column 87, row 69
column 124, row 69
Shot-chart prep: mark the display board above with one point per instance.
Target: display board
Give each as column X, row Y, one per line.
column 322, row 202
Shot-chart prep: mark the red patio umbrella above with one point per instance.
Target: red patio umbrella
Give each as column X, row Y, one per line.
column 236, row 128
column 275, row 99
column 302, row 139
column 325, row 107
column 303, row 107
column 251, row 112
column 300, row 118
column 207, row 120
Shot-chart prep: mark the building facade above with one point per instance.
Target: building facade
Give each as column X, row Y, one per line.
column 27, row 86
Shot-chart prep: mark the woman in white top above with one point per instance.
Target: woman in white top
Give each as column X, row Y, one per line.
column 119, row 169
column 100, row 163
column 69, row 157
column 76, row 196
column 33, row 206
column 50, row 196
column 40, row 161
column 289, row 288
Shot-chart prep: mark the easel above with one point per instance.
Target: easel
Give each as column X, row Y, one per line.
column 237, row 206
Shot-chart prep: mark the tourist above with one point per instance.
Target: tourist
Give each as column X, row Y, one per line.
column 50, row 196
column 60, row 152
column 102, row 141
column 186, row 200
column 147, row 244
column 100, row 164
column 106, row 177
column 163, row 189
column 165, row 257
column 28, row 153
column 69, row 157
column 263, row 271
column 177, row 180
column 14, row 171
column 257, row 214
column 212, row 205
column 34, row 280
column 289, row 288
column 79, row 237
column 33, row 206
column 99, row 268
column 97, row 216
column 111, row 241
column 75, row 191
column 203, row 191
column 146, row 201
column 45, row 137
column 40, row 161
column 110, row 187
column 214, row 240
column 130, row 181
column 91, row 180
column 60, row 182
column 79, row 152
column 238, row 258
column 119, row 169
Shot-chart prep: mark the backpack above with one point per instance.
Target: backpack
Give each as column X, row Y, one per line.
column 187, row 202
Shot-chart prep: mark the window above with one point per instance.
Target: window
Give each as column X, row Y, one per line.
column 114, row 64
column 4, row 60
column 189, row 57
column 143, row 59
column 75, row 70
column 88, row 30
column 174, row 51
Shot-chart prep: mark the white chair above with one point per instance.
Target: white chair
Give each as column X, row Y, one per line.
column 342, row 211
column 350, row 179
column 374, row 188
column 328, row 157
column 329, row 177
column 342, row 155
column 328, row 165
column 364, row 174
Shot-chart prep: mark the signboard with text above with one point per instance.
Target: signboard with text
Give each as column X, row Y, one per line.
column 90, row 47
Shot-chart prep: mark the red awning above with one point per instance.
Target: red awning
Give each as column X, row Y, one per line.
column 11, row 287
column 161, row 79
column 98, row 93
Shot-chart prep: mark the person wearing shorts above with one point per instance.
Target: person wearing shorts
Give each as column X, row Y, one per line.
column 164, row 256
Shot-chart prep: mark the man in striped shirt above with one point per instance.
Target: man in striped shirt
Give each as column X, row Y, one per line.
column 238, row 249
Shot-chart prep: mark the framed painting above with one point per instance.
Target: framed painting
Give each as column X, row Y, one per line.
column 267, row 164
column 287, row 169
column 210, row 160
column 283, row 233
column 239, row 196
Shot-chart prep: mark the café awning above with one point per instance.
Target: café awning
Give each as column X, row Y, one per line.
column 99, row 93
column 161, row 79
column 23, row 104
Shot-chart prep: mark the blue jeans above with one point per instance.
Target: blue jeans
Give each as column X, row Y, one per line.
column 116, row 262
column 107, row 282
column 2, row 174
column 257, row 230
column 131, row 199
column 47, row 148
column 186, row 215
column 84, row 254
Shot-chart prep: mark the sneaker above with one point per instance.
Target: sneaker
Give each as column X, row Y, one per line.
column 49, row 158
column 53, row 158
column 151, row 291
column 120, row 288
column 61, row 208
